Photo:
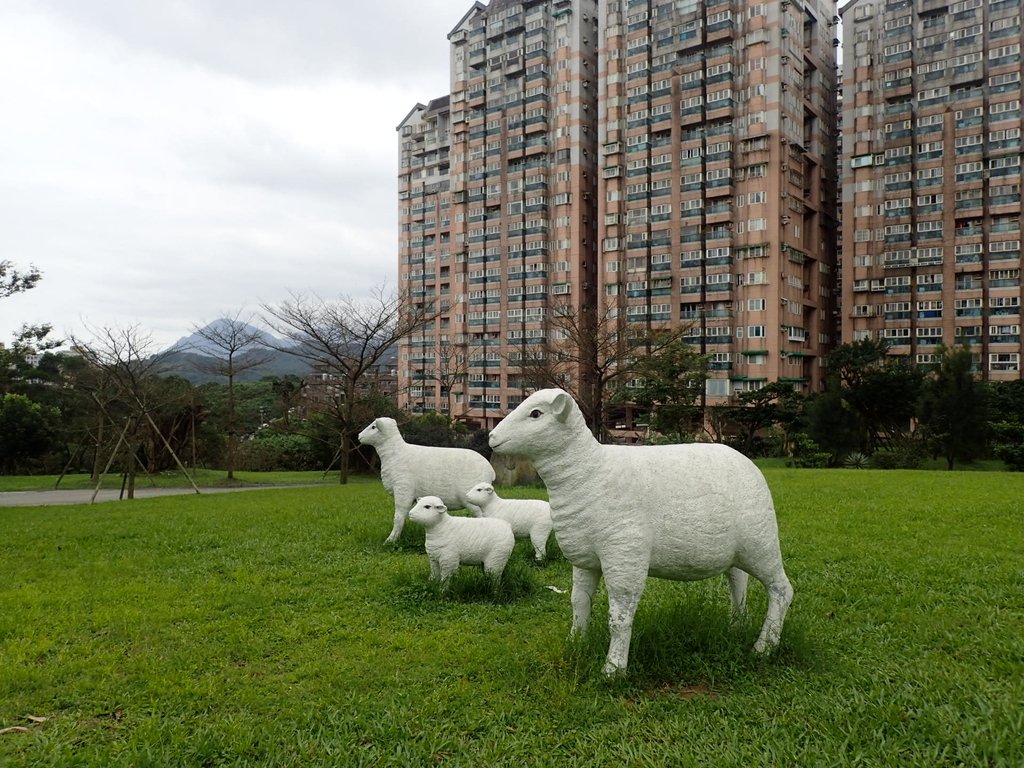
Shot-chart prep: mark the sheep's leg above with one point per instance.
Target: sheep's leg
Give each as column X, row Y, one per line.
column 623, row 597
column 539, row 539
column 447, row 566
column 780, row 595
column 738, row 594
column 584, row 584
column 494, row 563
column 435, row 569
column 403, row 504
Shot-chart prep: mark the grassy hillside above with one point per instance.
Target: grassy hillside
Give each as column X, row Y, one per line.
column 274, row 628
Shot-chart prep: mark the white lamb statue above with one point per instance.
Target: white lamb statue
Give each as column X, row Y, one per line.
column 410, row 471
column 682, row 512
column 529, row 518
column 452, row 541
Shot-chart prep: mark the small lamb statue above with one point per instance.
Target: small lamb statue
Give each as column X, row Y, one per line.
column 410, row 471
column 452, row 541
column 682, row 512
column 529, row 518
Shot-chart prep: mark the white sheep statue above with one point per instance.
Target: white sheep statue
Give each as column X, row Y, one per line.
column 529, row 518
column 452, row 541
column 410, row 471
column 682, row 512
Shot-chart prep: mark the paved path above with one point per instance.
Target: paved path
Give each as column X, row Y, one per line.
column 49, row 498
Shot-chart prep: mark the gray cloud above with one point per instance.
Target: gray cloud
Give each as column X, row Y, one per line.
column 178, row 160
column 270, row 40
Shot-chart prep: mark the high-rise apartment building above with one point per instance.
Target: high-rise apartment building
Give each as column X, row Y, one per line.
column 507, row 228
column 667, row 163
column 718, row 180
column 932, row 178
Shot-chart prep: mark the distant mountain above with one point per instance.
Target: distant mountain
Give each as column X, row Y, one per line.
column 196, row 368
column 197, row 344
column 195, row 356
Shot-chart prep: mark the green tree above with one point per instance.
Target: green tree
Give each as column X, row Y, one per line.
column 1006, row 406
column 953, row 409
column 288, row 392
column 882, row 390
column 775, row 403
column 12, row 281
column 22, row 362
column 436, row 429
column 28, row 430
column 831, row 423
column 671, row 380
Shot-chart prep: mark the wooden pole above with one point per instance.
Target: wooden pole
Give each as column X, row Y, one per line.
column 168, row 446
column 113, row 453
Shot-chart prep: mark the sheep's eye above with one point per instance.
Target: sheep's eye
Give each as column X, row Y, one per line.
column 534, row 414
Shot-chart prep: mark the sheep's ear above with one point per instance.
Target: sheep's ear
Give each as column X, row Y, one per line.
column 561, row 406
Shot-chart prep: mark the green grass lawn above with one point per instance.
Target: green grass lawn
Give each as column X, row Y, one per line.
column 204, row 478
column 275, row 628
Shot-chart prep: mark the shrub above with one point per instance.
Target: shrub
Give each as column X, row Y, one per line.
column 856, row 460
column 1009, row 445
column 270, row 451
column 1011, row 455
column 807, row 454
column 906, row 455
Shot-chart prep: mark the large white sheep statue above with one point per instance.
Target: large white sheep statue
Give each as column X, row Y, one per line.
column 529, row 518
column 452, row 541
column 410, row 471
column 682, row 512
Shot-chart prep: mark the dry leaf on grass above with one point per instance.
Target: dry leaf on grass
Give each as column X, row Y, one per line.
column 14, row 729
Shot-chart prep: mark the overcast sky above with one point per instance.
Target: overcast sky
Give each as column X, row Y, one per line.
column 164, row 164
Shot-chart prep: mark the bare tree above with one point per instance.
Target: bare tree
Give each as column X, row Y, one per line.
column 591, row 356
column 345, row 339
column 585, row 355
column 236, row 346
column 128, row 366
column 451, row 368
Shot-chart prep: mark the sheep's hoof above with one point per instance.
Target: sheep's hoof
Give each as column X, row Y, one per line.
column 613, row 671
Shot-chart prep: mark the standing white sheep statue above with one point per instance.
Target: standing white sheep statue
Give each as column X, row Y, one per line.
column 451, row 541
column 682, row 512
column 529, row 518
column 410, row 471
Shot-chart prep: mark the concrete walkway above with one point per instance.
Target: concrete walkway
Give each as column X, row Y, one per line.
column 50, row 498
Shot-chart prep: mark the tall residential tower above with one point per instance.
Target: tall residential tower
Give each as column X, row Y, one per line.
column 932, row 178
column 667, row 162
column 511, row 228
column 717, row 126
